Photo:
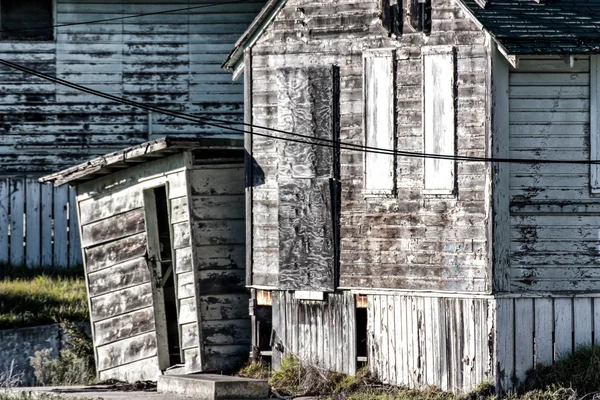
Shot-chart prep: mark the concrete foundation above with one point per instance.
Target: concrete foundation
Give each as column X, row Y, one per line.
column 213, row 387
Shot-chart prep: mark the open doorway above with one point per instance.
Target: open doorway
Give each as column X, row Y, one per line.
column 164, row 285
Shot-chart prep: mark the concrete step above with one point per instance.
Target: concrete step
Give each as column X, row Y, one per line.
column 213, row 387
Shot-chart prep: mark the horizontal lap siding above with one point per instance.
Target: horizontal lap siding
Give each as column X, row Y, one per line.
column 554, row 220
column 169, row 60
column 118, row 275
column 431, row 341
column 412, row 240
column 218, row 238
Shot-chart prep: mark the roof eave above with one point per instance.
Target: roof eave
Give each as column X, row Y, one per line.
column 235, row 59
column 135, row 155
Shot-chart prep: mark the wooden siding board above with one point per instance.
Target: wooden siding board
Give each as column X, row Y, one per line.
column 124, row 326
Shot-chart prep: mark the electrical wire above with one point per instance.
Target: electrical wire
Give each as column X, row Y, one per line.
column 99, row 21
column 309, row 139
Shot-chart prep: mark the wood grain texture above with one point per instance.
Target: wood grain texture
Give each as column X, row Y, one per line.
column 113, row 228
column 306, row 235
column 120, row 276
column 300, row 328
column 109, row 254
column 120, row 302
column 123, row 327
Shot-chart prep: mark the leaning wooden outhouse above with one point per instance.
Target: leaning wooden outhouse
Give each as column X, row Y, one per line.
column 162, row 235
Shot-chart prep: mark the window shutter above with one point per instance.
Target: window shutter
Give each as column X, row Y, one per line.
column 379, row 120
column 595, row 122
column 439, row 118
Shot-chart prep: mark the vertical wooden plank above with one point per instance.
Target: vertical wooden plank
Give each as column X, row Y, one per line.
column 442, row 338
column 597, row 321
column 333, row 339
column 46, row 225
column 61, row 225
column 436, row 342
column 351, row 324
column 582, row 322
column 383, row 341
column 17, row 211
column 413, row 340
column 75, row 254
column 398, row 327
column 563, row 327
column 523, row 337
column 505, row 349
column 248, row 162
column 391, row 315
column 276, row 357
column 544, row 324
column 32, row 226
column 429, row 354
column 376, row 335
column 4, row 220
column 467, row 368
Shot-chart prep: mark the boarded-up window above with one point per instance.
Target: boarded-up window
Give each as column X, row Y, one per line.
column 439, row 119
column 595, row 122
column 26, row 19
column 307, row 104
column 379, row 120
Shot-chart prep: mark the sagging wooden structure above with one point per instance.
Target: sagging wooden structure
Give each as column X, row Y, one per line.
column 470, row 270
column 162, row 228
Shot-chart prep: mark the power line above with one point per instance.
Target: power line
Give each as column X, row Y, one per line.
column 309, row 139
column 98, row 21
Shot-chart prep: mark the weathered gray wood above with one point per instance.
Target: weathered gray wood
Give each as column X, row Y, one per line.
column 46, row 227
column 230, row 332
column 248, row 163
column 544, row 326
column 183, row 260
column 193, row 360
column 224, row 306
column 217, row 181
column 94, row 209
column 524, row 331
column 60, row 227
column 222, row 281
column 120, row 276
column 217, row 232
column 379, row 124
column 225, row 358
column 123, row 327
column 120, row 302
column 4, row 220
column 126, row 351
column 142, row 370
column 189, row 336
column 33, row 220
column 17, row 210
column 113, row 228
column 115, row 252
column 306, row 237
column 439, row 118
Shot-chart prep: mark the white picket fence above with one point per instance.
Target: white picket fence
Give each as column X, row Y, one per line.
column 38, row 224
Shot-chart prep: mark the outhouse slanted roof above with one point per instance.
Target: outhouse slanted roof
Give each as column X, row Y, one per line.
column 560, row 27
column 138, row 154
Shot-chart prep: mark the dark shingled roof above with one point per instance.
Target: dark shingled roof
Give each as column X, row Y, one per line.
column 551, row 27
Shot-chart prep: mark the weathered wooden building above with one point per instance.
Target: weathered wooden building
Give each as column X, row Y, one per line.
column 162, row 234
column 141, row 50
column 470, row 270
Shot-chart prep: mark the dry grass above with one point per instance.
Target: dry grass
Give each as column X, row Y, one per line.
column 43, row 299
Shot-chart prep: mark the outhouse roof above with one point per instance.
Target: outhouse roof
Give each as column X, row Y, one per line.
column 138, row 154
column 560, row 27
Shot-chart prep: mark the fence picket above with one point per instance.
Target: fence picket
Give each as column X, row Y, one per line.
column 61, row 245
column 4, row 220
column 32, row 223
column 46, row 225
column 17, row 212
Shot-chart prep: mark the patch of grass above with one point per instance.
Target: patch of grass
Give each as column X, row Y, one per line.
column 43, row 299
column 579, row 371
column 255, row 370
